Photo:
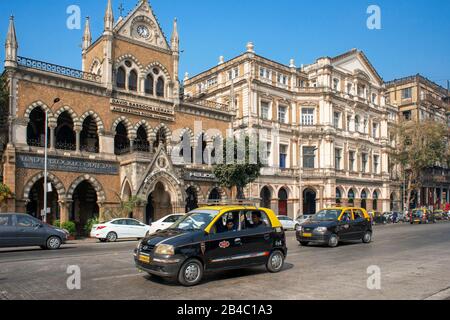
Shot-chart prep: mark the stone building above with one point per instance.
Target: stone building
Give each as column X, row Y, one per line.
column 329, row 128
column 419, row 99
column 114, row 127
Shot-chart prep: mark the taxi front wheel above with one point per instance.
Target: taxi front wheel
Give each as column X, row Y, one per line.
column 275, row 262
column 191, row 273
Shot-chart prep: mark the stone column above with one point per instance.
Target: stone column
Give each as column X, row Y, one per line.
column 78, row 140
column 64, row 209
column 52, row 137
column 101, row 211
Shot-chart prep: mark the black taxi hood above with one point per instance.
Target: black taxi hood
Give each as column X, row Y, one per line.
column 169, row 236
column 315, row 223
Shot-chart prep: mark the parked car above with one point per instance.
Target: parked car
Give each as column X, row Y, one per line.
column 303, row 218
column 116, row 229
column 438, row 214
column 422, row 216
column 165, row 222
column 214, row 239
column 331, row 226
column 288, row 223
column 23, row 230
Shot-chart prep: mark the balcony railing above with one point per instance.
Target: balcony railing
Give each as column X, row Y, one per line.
column 207, row 103
column 53, row 68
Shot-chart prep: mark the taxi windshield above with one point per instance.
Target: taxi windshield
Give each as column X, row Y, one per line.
column 418, row 213
column 327, row 215
column 196, row 220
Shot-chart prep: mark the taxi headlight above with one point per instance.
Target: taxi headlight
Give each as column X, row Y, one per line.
column 165, row 250
column 321, row 229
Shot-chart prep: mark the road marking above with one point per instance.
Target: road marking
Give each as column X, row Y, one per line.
column 441, row 295
column 118, row 277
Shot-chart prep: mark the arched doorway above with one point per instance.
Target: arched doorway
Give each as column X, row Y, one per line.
column 35, row 206
column 84, row 206
column 159, row 204
column 191, row 199
column 351, row 197
column 161, row 139
column 121, row 140
column 36, row 128
column 394, row 202
column 364, row 199
column 282, row 202
column 309, row 202
column 126, row 196
column 338, row 197
column 266, row 198
column 375, row 198
column 141, row 143
column 65, row 134
column 89, row 136
column 214, row 195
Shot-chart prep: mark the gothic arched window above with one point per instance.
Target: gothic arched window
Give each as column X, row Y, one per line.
column 121, row 78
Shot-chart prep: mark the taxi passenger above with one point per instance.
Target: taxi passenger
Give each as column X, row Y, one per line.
column 257, row 220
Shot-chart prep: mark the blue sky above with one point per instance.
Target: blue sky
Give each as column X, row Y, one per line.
column 414, row 37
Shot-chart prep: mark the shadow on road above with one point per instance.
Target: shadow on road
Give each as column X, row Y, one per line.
column 213, row 276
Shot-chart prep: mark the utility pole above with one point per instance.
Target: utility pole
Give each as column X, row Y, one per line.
column 44, row 215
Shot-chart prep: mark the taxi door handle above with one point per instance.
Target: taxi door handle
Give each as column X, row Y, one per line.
column 238, row 241
column 267, row 237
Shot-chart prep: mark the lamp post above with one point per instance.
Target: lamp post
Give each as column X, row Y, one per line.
column 44, row 215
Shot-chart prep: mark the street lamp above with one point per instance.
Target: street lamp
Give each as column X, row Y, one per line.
column 44, row 215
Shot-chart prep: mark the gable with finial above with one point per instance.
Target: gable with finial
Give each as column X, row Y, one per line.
column 161, row 164
column 142, row 25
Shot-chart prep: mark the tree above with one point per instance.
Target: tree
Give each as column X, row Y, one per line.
column 237, row 174
column 5, row 194
column 420, row 146
column 124, row 209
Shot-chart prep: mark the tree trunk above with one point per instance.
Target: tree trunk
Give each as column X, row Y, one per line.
column 240, row 193
column 408, row 194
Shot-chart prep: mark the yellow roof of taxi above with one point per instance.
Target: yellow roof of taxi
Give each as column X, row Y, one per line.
column 220, row 208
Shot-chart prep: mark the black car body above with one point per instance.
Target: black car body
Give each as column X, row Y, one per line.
column 22, row 230
column 209, row 248
column 330, row 226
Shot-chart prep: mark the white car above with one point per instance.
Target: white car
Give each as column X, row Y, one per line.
column 116, row 229
column 288, row 223
column 165, row 222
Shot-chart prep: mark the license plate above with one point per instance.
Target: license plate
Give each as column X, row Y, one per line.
column 307, row 235
column 144, row 259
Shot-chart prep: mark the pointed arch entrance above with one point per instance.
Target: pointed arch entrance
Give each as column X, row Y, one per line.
column 35, row 206
column 309, row 201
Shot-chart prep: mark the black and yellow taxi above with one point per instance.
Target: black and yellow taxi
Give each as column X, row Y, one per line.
column 214, row 238
column 333, row 225
column 422, row 216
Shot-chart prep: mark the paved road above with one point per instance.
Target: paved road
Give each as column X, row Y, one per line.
column 414, row 263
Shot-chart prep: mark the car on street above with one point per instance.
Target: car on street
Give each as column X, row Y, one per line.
column 288, row 223
column 23, row 230
column 214, row 238
column 119, row 229
column 333, row 225
column 164, row 223
column 422, row 216
column 439, row 214
column 303, row 218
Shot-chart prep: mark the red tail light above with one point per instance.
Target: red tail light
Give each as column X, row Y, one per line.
column 101, row 227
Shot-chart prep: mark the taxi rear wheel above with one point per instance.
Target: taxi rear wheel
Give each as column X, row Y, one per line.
column 367, row 238
column 191, row 273
column 276, row 262
column 111, row 237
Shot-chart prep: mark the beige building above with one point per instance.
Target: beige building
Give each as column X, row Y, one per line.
column 419, row 99
column 328, row 124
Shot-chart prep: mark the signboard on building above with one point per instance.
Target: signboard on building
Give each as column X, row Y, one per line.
column 29, row 161
column 200, row 176
column 142, row 110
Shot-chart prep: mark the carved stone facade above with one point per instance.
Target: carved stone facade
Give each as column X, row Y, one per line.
column 112, row 130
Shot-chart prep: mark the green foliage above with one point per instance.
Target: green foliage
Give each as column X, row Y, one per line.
column 69, row 226
column 420, row 146
column 90, row 223
column 238, row 174
column 4, row 94
column 125, row 208
column 5, row 193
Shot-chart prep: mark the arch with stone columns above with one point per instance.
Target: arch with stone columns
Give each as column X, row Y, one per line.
column 73, row 115
column 128, row 125
column 59, row 186
column 171, row 184
column 121, row 59
column 165, row 129
column 164, row 71
column 101, row 196
column 43, row 106
column 97, row 119
column 147, row 127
